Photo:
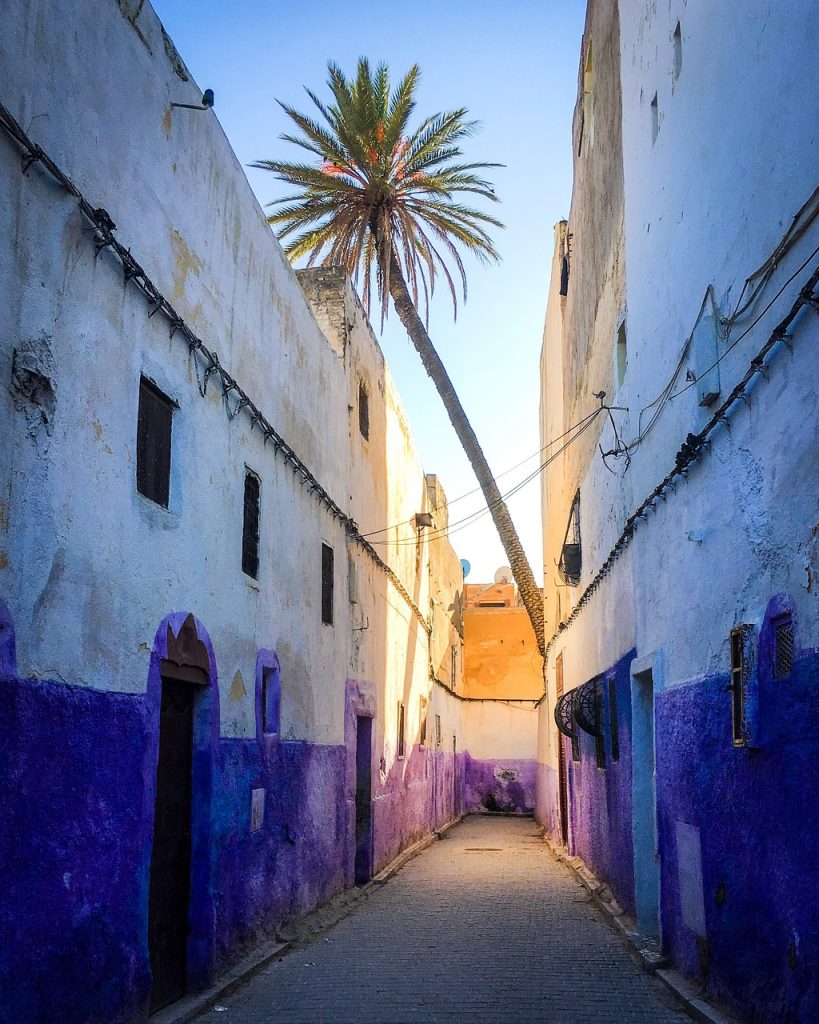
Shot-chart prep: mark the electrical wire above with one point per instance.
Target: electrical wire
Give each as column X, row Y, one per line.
column 800, row 223
column 461, row 524
column 505, row 472
column 750, row 326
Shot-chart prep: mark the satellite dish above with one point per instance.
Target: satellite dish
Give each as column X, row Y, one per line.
column 504, row 575
column 466, row 566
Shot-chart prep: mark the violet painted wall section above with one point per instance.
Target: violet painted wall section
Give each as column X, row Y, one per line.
column 756, row 814
column 600, row 799
column 500, row 785
column 74, row 854
column 77, row 784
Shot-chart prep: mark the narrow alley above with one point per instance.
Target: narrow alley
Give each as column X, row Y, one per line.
column 482, row 926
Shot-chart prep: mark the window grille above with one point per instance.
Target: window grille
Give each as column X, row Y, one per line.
column 587, row 709
column 153, row 461
column 327, row 584
column 783, row 647
column 564, row 719
column 250, row 526
column 740, row 661
column 437, row 730
column 401, row 722
column 614, row 726
column 571, row 560
column 363, row 411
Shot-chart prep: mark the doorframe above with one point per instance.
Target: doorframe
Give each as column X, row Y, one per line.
column 360, row 701
column 644, row 672
column 359, row 719
column 201, row 915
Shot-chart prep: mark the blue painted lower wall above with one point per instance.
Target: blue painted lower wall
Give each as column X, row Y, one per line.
column 756, row 813
column 600, row 798
column 738, row 908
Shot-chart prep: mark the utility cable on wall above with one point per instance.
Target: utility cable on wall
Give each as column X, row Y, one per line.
column 757, row 282
column 104, row 239
column 694, row 446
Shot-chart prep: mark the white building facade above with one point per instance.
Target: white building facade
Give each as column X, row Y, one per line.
column 680, row 528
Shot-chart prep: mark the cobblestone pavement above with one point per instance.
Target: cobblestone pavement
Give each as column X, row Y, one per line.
column 482, row 926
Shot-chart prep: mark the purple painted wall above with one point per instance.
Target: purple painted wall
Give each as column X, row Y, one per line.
column 74, row 854
column 600, row 798
column 77, row 785
column 500, row 785
column 756, row 814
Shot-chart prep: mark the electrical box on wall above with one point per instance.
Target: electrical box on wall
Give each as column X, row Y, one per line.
column 705, row 355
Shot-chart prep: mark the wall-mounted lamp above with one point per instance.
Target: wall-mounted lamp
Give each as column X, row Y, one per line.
column 423, row 519
column 206, row 104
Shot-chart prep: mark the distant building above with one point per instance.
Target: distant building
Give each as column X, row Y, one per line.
column 501, row 663
column 679, row 743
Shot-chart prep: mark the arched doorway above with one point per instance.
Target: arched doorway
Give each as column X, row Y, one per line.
column 183, row 693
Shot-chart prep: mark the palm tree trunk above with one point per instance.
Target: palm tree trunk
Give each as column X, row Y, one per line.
column 518, row 562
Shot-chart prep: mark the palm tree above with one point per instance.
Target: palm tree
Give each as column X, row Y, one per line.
column 383, row 201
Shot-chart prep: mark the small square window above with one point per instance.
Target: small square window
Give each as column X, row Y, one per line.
column 250, row 526
column 326, row 584
column 153, row 461
column 363, row 411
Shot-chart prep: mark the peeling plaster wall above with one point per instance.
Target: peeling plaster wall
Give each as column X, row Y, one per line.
column 708, row 189
column 501, row 766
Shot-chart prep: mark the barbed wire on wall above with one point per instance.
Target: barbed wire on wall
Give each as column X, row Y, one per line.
column 232, row 392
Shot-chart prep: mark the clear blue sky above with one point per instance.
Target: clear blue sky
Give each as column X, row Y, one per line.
column 514, row 66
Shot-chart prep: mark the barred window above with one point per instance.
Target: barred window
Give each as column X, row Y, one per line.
column 250, row 526
column 327, row 584
column 401, row 726
column 153, row 461
column 783, row 646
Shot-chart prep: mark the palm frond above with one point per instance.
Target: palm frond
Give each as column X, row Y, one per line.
column 381, row 191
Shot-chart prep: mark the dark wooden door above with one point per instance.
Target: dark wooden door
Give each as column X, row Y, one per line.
column 363, row 801
column 169, row 891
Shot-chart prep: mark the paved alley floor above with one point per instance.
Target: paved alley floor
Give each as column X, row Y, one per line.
column 482, row 926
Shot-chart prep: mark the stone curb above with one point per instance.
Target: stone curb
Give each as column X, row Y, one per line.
column 645, row 951
column 190, row 1007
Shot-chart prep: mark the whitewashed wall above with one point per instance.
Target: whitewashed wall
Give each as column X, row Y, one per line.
column 89, row 566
